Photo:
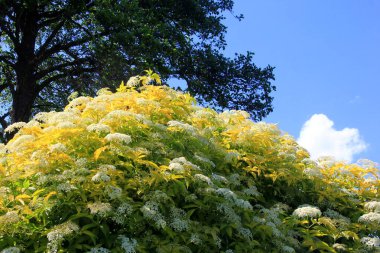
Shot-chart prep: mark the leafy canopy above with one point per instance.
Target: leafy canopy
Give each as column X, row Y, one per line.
column 146, row 169
column 50, row 49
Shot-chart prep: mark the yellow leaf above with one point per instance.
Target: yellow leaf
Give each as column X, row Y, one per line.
column 99, row 151
column 26, row 210
column 46, row 199
column 23, row 196
column 122, row 87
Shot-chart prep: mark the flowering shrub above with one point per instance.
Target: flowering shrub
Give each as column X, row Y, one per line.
column 147, row 170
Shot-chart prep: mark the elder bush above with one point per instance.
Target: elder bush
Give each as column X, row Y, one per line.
column 147, row 170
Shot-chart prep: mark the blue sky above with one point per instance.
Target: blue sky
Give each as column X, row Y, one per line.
column 327, row 59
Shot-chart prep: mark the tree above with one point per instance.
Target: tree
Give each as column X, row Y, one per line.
column 52, row 48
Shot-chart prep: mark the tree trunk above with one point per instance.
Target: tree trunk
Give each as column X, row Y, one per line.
column 24, row 97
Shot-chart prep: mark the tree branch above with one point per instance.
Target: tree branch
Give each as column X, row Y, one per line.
column 51, row 37
column 6, row 59
column 60, row 67
column 8, row 32
column 56, row 77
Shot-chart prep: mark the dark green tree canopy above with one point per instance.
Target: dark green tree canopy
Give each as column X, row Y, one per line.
column 52, row 48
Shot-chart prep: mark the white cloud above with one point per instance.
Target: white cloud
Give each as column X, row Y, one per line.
column 320, row 138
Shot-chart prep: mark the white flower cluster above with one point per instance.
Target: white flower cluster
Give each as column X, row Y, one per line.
column 99, row 250
column 340, row 247
column 11, row 250
column 9, row 218
column 81, row 162
column 231, row 155
column 133, row 81
column 59, row 232
column 20, row 141
column 106, row 167
column 234, row 179
column 245, row 233
column 252, row 191
column 231, row 196
column 287, row 249
column 66, row 187
column 372, row 206
column 180, row 164
column 59, row 117
column 177, row 221
column 307, row 211
column 312, row 172
column 204, row 160
column 195, row 239
column 79, row 101
column 127, row 244
column 118, row 138
column 113, row 192
column 14, row 127
column 58, row 147
column 66, row 125
column 338, row 219
column 371, row 242
column 229, row 116
column 219, row 178
column 229, row 213
column 203, row 178
column 99, row 208
column 183, row 126
column 370, row 218
column 122, row 212
column 151, row 212
column 98, row 128
column 100, row 177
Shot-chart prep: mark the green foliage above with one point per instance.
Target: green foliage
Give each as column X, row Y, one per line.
column 147, row 170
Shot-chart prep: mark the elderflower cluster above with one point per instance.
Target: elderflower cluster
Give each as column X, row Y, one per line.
column 204, row 160
column 151, row 212
column 203, row 178
column 371, row 242
column 312, row 172
column 370, row 218
column 58, row 147
column 66, row 187
column 229, row 213
column 252, row 191
column 127, row 244
column 195, row 239
column 340, row 247
column 11, row 250
column 179, row 165
column 372, row 206
column 9, row 218
column 60, row 232
column 122, row 212
column 14, row 127
column 133, row 81
column 99, row 250
column 98, row 128
column 177, row 222
column 307, row 211
column 99, row 208
column 219, row 178
column 245, row 233
column 118, row 138
column 183, row 126
column 100, row 177
column 231, row 196
column 113, row 192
